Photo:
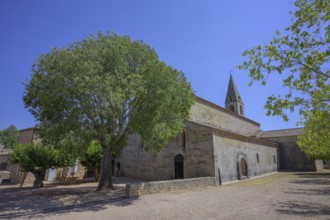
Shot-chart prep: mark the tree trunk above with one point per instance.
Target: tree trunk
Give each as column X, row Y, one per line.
column 106, row 170
column 39, row 178
column 97, row 174
column 25, row 174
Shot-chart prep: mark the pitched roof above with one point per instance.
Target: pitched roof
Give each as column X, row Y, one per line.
column 232, row 91
column 222, row 109
column 281, row 133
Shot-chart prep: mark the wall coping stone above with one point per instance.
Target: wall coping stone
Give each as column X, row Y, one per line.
column 236, row 136
column 138, row 189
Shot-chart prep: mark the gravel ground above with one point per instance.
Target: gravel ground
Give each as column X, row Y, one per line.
column 279, row 196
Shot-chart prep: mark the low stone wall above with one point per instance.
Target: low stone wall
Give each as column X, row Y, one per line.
column 319, row 165
column 4, row 176
column 137, row 189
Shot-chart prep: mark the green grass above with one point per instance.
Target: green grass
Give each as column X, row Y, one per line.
column 278, row 177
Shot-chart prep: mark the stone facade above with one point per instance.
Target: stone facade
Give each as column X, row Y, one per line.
column 28, row 135
column 16, row 175
column 215, row 139
column 291, row 156
column 218, row 143
column 260, row 157
column 196, row 150
column 205, row 112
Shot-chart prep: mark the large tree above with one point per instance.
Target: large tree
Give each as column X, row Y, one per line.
column 302, row 56
column 9, row 137
column 104, row 88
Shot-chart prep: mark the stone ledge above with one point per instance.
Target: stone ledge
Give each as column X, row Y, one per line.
column 137, row 189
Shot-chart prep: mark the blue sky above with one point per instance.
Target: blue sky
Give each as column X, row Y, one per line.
column 204, row 39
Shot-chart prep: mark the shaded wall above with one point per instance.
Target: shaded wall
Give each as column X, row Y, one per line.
column 229, row 148
column 291, row 157
column 197, row 150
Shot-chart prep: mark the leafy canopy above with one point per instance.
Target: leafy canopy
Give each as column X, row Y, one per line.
column 316, row 144
column 37, row 157
column 108, row 86
column 104, row 88
column 302, row 55
column 93, row 156
column 9, row 137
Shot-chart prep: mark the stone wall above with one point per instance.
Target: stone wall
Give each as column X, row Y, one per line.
column 319, row 165
column 291, row 157
column 26, row 135
column 137, row 189
column 16, row 176
column 199, row 155
column 207, row 113
column 136, row 162
column 229, row 148
column 197, row 151
column 65, row 173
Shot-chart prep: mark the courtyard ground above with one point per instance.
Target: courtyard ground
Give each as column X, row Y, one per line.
column 284, row 195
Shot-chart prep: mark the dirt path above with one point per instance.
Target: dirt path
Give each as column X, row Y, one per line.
column 280, row 196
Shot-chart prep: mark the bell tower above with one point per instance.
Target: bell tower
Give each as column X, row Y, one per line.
column 234, row 100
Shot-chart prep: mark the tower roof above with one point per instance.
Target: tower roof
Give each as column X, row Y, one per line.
column 232, row 92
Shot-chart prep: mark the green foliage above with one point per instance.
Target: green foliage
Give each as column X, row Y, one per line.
column 316, row 144
column 104, row 88
column 9, row 137
column 35, row 157
column 93, row 157
column 302, row 56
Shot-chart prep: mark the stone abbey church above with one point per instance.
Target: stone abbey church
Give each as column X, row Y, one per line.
column 217, row 142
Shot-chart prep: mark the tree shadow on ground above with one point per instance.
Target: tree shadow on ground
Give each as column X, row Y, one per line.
column 325, row 174
column 311, row 192
column 29, row 203
column 316, row 186
column 304, row 209
column 313, row 178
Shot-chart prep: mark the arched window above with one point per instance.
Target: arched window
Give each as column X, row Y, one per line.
column 231, row 108
column 241, row 110
column 257, row 158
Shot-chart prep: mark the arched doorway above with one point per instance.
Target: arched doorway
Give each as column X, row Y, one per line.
column 244, row 171
column 178, row 166
column 242, row 167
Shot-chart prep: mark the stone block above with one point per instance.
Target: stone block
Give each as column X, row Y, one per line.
column 4, row 177
column 137, row 189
